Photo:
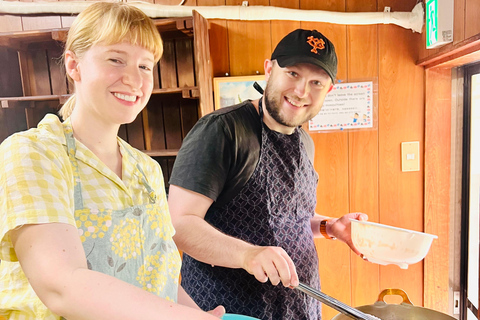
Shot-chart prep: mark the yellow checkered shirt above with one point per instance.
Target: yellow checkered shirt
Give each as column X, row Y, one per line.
column 36, row 186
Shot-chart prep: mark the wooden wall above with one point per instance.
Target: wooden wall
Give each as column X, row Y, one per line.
column 359, row 171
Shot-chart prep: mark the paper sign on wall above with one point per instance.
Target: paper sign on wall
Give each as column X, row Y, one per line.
column 347, row 106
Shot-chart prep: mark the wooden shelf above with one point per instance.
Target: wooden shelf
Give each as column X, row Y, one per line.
column 162, row 153
column 187, row 92
column 18, row 40
column 10, row 102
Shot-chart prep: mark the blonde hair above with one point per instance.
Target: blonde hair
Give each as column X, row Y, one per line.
column 109, row 23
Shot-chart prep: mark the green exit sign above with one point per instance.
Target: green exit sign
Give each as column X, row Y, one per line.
column 432, row 22
column 439, row 19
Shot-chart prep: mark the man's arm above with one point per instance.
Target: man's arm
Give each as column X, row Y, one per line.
column 203, row 242
column 340, row 228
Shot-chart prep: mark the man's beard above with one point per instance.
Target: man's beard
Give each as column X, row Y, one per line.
column 272, row 105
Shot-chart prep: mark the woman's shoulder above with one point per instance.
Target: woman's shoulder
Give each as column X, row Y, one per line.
column 47, row 137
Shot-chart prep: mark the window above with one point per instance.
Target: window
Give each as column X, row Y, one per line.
column 469, row 256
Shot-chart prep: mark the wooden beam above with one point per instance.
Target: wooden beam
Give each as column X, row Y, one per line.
column 203, row 65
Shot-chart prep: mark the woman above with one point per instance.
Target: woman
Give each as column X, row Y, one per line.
column 85, row 229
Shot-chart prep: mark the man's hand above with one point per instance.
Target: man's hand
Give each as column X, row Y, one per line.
column 341, row 228
column 271, row 263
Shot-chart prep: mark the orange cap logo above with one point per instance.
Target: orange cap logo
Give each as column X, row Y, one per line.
column 316, row 44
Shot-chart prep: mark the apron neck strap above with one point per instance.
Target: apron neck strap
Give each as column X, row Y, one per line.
column 260, row 108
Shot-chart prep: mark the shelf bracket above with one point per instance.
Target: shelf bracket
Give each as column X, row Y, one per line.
column 190, row 93
column 15, row 104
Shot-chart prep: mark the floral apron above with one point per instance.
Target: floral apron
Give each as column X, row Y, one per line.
column 274, row 208
column 134, row 244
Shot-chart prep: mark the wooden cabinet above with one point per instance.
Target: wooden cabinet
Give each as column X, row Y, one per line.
column 33, row 83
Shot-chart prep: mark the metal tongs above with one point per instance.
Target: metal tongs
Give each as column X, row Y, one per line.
column 334, row 303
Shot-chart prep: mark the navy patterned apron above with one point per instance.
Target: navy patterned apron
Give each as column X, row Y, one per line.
column 274, row 208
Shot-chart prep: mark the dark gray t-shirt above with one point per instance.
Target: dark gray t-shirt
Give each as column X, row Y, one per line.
column 220, row 153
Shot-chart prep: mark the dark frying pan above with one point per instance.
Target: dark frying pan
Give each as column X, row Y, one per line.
column 404, row 310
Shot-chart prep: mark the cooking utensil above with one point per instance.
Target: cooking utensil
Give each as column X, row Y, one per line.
column 334, row 303
column 404, row 310
column 384, row 244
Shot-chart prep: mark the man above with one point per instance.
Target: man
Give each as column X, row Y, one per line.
column 243, row 191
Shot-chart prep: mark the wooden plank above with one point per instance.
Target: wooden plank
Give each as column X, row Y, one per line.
column 448, row 53
column 167, row 2
column 146, row 129
column 401, row 118
column 219, row 47
column 41, row 22
column 458, row 21
column 41, row 75
column 156, row 128
column 156, row 76
column 122, row 132
column 210, row 2
column 57, row 70
column 61, row 98
column 331, row 163
column 245, row 38
column 162, row 153
column 437, row 186
column 173, row 90
column 285, row 4
column 168, row 71
column 135, row 133
column 3, row 124
column 338, row 6
column 188, row 115
column 67, row 21
column 472, row 23
column 362, row 64
column 279, row 30
column 170, row 163
column 25, row 73
column 203, row 65
column 184, row 58
column 21, row 39
column 173, row 129
column 10, row 78
column 250, row 2
column 9, row 23
column 164, row 165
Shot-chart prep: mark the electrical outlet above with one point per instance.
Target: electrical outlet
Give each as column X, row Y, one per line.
column 456, row 302
column 410, row 156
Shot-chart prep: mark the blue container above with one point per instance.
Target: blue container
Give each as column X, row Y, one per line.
column 231, row 316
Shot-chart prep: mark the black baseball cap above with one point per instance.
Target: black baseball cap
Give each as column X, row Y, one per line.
column 307, row 46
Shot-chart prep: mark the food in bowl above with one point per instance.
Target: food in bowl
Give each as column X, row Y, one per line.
column 384, row 244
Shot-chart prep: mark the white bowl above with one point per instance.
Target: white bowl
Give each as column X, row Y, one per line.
column 384, row 244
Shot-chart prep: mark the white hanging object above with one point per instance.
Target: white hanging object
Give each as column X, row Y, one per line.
column 409, row 20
